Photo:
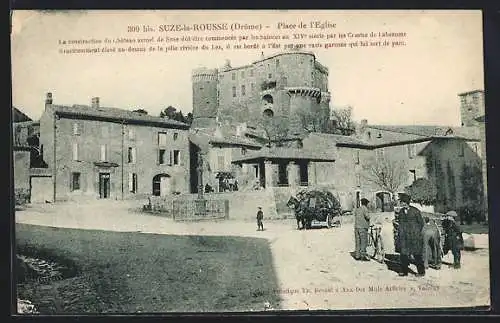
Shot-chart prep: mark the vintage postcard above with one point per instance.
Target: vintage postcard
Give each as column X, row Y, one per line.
column 248, row 161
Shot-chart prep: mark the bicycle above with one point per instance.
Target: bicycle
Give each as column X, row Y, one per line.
column 375, row 247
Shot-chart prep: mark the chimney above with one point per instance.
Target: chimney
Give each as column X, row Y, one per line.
column 227, row 65
column 95, row 103
column 48, row 99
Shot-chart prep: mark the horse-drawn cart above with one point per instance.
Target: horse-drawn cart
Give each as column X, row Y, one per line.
column 316, row 206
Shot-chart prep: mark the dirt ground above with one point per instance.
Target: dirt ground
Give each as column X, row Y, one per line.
column 315, row 269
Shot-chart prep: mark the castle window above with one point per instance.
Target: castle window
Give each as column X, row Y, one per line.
column 176, row 135
column 356, row 158
column 233, row 76
column 201, row 87
column 243, row 151
column 270, row 76
column 234, row 91
column 251, row 72
column 243, row 90
column 75, row 181
column 242, row 74
column 277, row 62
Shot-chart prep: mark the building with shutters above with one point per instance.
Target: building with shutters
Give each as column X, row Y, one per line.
column 109, row 153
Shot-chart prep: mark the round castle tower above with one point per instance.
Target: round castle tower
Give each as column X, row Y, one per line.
column 205, row 97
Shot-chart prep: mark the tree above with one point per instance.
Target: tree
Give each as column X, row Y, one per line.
column 171, row 113
column 312, row 120
column 472, row 193
column 386, row 173
column 141, row 111
column 423, row 191
column 342, row 121
column 274, row 129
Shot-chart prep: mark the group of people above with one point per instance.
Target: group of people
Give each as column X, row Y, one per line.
column 417, row 237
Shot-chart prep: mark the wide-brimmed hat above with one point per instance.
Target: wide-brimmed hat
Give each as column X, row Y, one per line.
column 452, row 214
column 403, row 197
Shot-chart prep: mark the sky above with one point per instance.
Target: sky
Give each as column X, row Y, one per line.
column 413, row 84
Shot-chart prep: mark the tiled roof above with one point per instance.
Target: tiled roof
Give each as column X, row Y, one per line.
column 19, row 116
column 115, row 114
column 204, row 139
column 306, row 153
column 319, row 139
column 431, row 131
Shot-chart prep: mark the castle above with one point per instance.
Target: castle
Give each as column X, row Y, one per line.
column 287, row 86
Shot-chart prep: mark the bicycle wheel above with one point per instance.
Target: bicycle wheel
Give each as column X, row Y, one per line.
column 370, row 247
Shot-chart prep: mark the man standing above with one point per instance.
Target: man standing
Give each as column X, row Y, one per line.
column 260, row 217
column 432, row 244
column 361, row 224
column 410, row 228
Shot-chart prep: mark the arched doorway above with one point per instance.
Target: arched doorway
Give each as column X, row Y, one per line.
column 384, row 201
column 161, row 185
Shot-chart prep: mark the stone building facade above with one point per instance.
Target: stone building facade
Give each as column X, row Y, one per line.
column 472, row 106
column 98, row 152
column 289, row 87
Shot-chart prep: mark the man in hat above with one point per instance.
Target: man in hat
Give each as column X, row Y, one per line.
column 361, row 225
column 410, row 227
column 453, row 237
column 260, row 217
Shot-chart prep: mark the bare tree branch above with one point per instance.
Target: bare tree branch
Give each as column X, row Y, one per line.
column 386, row 173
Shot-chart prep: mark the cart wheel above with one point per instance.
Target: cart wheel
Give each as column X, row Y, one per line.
column 328, row 221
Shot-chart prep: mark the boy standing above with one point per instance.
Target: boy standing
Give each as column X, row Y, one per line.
column 260, row 216
column 453, row 238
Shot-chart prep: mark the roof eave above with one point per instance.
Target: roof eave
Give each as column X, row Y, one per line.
column 122, row 120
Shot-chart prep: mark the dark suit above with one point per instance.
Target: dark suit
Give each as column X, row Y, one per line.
column 260, row 217
column 411, row 223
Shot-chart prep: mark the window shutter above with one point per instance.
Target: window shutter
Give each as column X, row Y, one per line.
column 157, row 156
column 133, row 155
column 130, row 182
column 103, row 152
column 171, row 157
column 75, row 151
column 180, row 158
column 71, row 182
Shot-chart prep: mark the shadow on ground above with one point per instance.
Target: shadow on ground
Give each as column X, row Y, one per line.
column 129, row 272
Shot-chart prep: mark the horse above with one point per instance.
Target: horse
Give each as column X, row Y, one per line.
column 294, row 204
